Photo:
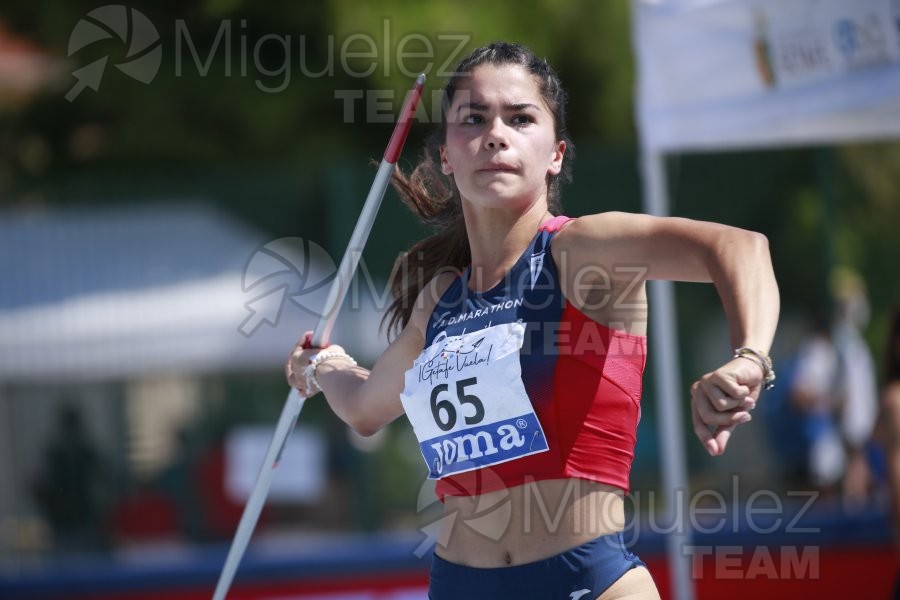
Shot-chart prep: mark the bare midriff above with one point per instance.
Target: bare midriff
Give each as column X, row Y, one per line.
column 528, row 522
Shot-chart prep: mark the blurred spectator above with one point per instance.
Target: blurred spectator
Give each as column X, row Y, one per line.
column 178, row 482
column 812, row 397
column 857, row 388
column 70, row 486
column 832, row 395
column 888, row 428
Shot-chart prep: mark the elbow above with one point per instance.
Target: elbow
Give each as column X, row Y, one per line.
column 745, row 245
column 759, row 242
column 359, row 421
column 365, row 411
column 737, row 248
column 759, row 249
column 362, row 421
column 753, row 243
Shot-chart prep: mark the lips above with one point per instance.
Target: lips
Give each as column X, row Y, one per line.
column 498, row 168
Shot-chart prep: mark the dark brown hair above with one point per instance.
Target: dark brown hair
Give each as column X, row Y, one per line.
column 433, row 197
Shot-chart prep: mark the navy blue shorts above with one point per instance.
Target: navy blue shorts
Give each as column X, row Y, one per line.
column 582, row 573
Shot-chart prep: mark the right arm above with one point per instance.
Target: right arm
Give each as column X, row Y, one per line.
column 367, row 400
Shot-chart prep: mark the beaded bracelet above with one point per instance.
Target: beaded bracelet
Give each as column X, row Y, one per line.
column 762, row 360
column 312, row 384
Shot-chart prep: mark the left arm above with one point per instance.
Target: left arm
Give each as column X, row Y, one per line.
column 735, row 260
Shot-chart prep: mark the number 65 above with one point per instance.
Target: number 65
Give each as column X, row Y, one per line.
column 446, row 408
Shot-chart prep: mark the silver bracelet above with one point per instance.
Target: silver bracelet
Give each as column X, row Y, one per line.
column 763, row 360
column 312, row 384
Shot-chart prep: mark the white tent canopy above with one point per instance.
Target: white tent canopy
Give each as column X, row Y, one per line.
column 131, row 291
column 731, row 74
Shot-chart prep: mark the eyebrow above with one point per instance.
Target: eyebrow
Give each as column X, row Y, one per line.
column 506, row 107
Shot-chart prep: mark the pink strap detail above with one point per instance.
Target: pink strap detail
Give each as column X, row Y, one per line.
column 556, row 223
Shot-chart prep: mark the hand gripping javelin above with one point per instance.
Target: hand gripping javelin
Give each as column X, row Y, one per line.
column 338, row 290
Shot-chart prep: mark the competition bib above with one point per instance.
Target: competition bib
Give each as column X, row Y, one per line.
column 467, row 404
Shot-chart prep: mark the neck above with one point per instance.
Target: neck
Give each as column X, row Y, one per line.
column 497, row 239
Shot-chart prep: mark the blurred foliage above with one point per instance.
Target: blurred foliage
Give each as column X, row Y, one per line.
column 247, row 111
column 869, row 222
column 262, row 130
column 270, row 91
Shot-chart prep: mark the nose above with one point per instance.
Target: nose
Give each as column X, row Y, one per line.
column 495, row 138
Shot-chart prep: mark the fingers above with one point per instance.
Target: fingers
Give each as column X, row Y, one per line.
column 715, row 413
column 713, row 439
column 717, row 410
column 293, row 371
column 306, row 341
column 702, row 431
column 723, row 390
column 718, row 399
column 721, row 437
column 745, row 373
column 297, row 361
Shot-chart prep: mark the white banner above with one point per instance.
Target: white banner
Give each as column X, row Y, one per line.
column 739, row 73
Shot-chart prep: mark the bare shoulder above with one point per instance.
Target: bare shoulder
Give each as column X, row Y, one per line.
column 606, row 221
column 672, row 248
column 617, row 226
column 428, row 298
column 587, row 227
column 600, row 236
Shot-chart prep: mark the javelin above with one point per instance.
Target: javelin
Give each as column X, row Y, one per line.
column 336, row 294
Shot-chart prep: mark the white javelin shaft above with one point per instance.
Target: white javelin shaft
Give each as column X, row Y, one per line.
column 337, row 292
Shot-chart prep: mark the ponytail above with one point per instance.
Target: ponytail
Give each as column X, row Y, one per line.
column 430, row 195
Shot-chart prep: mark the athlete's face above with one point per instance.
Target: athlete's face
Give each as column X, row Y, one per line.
column 501, row 144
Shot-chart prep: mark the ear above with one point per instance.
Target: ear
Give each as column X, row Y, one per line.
column 556, row 158
column 446, row 168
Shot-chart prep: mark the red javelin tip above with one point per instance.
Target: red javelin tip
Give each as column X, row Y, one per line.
column 401, row 130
